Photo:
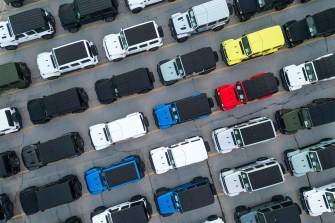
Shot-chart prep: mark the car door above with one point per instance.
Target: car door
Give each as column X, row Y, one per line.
column 30, row 35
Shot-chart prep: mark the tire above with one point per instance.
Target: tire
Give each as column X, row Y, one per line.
column 78, row 187
column 282, row 168
column 14, row 162
column 136, row 198
column 136, row 10
column 48, row 36
column 261, row 158
column 109, row 18
column 154, row 49
column 80, row 142
column 100, row 209
column 10, row 47
column 208, row 148
column 218, row 28
column 245, row 19
column 216, row 56
column 280, row 7
column 74, row 29
column 211, row 102
column 89, row 67
column 196, row 179
column 53, row 78
column 181, row 40
column 117, row 60
column 16, row 4
column 277, row 198
column 16, row 117
column 160, row 31
column 84, row 96
column 212, row 218
column 303, row 189
column 241, row 208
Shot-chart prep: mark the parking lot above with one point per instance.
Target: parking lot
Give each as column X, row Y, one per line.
column 98, row 113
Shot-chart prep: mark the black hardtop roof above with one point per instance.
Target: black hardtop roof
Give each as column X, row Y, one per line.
column 322, row 113
column 327, row 157
column 325, row 67
column 8, row 73
column 260, row 86
column 71, row 53
column 257, row 133
column 265, row 177
column 299, row 31
column 55, row 195
column 141, row 33
column 27, row 20
column 288, row 214
column 248, row 6
column 325, row 20
column 57, row 149
column 198, row 60
column 29, row 202
column 121, row 174
column 62, row 102
column 134, row 214
column 196, row 197
column 193, row 107
column 87, row 7
column 132, row 81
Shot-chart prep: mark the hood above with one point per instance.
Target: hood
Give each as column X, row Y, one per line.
column 113, row 45
column 226, row 140
column 295, row 76
column 233, row 183
column 45, row 64
column 98, row 137
column 105, row 91
column 164, row 117
column 180, row 23
column 316, row 202
column 300, row 163
column 165, row 203
column 188, row 154
column 234, row 51
column 5, row 35
column 228, row 97
column 291, row 121
column 94, row 183
column 67, row 14
column 169, row 71
column 159, row 160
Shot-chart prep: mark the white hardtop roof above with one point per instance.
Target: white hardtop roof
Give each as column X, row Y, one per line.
column 189, row 153
column 211, row 11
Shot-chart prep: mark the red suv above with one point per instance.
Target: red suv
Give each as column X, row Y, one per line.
column 257, row 87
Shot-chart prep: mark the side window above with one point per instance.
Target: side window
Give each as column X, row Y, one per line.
column 202, row 26
column 153, row 42
column 19, row 36
column 31, row 33
column 143, row 45
column 40, row 30
column 212, row 23
column 85, row 61
column 221, row 20
column 133, row 48
column 63, row 68
column 75, row 64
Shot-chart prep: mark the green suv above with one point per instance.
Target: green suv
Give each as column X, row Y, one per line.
column 319, row 112
column 14, row 75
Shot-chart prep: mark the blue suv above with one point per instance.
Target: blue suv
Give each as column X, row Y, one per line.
column 129, row 170
column 194, row 107
column 187, row 197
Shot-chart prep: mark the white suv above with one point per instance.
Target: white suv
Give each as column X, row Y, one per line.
column 10, row 121
column 190, row 151
column 132, row 126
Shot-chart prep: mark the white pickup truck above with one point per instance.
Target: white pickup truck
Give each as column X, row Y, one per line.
column 192, row 150
column 132, row 126
column 295, row 77
column 317, row 201
column 136, row 6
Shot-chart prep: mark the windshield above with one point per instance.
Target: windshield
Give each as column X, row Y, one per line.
column 314, row 160
column 238, row 138
column 176, row 201
column 261, row 218
column 245, row 181
column 179, row 67
column 306, row 118
column 240, row 92
column 311, row 26
column 246, row 45
column 170, row 157
column 192, row 18
column 107, row 134
column 174, row 112
column 123, row 41
column 261, row 3
column 331, row 200
column 310, row 72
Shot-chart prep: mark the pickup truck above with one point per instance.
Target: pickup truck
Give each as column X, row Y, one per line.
column 187, row 197
column 295, row 77
column 257, row 87
column 194, row 107
column 320, row 112
column 252, row 132
column 190, row 151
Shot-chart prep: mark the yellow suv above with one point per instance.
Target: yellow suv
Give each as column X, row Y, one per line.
column 260, row 43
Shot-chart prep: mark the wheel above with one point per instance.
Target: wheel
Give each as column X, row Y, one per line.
column 212, row 218
column 241, row 208
column 73, row 29
column 53, row 78
column 208, row 149
column 136, row 198
column 48, row 36
column 84, row 96
column 109, row 18
column 218, row 28
column 73, row 219
column 10, row 47
column 216, row 56
column 280, row 7
column 182, row 39
column 16, row 117
column 136, row 10
column 196, row 179
column 89, row 67
column 245, row 19
column 282, row 168
column 211, row 102
column 16, row 4
column 14, row 162
column 154, row 49
column 277, row 198
column 303, row 189
column 117, row 60
column 80, row 142
column 99, row 210
column 261, row 158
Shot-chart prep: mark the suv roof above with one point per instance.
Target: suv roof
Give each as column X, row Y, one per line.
column 261, row 178
column 191, row 107
column 325, row 67
column 86, row 7
column 8, row 73
column 141, row 33
column 257, row 132
column 134, row 214
column 324, row 21
column 27, row 21
column 322, row 113
column 327, row 157
column 71, row 52
column 282, row 215
column 210, row 11
column 121, row 174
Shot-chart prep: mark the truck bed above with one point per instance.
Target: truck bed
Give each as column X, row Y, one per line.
column 265, row 177
column 71, row 53
column 325, row 67
column 135, row 214
column 324, row 21
column 257, row 133
column 140, row 34
column 327, row 157
column 120, row 175
column 193, row 107
column 322, row 114
column 261, row 86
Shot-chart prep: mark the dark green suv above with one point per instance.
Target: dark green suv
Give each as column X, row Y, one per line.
column 15, row 3
column 319, row 112
column 14, row 75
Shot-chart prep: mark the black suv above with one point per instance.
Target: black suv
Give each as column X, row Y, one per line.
column 73, row 100
column 138, row 81
column 66, row 190
column 9, row 164
column 39, row 154
column 81, row 12
column 6, row 208
column 319, row 24
column 245, row 9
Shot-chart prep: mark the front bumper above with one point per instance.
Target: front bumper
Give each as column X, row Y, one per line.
column 283, row 80
column 172, row 29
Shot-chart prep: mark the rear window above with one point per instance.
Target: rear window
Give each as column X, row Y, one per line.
column 9, row 118
column 89, row 49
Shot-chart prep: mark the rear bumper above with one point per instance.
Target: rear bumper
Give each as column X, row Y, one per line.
column 172, row 29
